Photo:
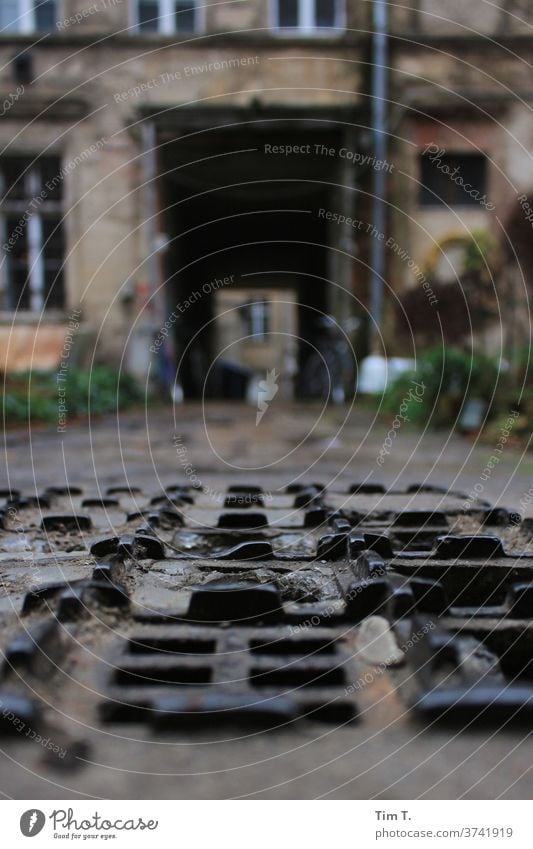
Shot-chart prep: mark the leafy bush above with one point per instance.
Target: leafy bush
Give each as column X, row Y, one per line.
column 522, row 367
column 469, row 303
column 33, row 396
column 398, row 397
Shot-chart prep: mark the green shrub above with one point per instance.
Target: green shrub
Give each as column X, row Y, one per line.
column 33, row 396
column 449, row 376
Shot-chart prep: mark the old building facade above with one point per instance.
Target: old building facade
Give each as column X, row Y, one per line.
column 153, row 149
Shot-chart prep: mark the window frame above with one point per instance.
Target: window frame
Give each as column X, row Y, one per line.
column 307, row 20
column 26, row 19
column 35, row 276
column 166, row 19
column 428, row 195
column 256, row 316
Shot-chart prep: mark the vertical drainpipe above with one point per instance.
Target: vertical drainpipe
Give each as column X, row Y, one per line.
column 379, row 131
column 146, row 327
column 149, row 206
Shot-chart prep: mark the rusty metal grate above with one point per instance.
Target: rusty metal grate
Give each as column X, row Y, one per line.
column 173, row 609
column 187, row 672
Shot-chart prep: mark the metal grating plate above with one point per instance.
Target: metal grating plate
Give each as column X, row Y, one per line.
column 167, row 611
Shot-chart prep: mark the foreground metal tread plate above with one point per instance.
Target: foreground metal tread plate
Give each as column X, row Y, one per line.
column 165, row 612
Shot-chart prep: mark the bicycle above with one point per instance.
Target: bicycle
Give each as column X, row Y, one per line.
column 329, row 372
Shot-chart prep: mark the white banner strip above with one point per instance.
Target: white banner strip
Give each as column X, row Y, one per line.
column 267, row 824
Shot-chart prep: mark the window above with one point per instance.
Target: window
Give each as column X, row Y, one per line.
column 452, row 179
column 28, row 15
column 308, row 15
column 44, row 15
column 168, row 16
column 32, row 238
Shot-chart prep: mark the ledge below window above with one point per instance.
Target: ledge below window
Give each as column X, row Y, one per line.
column 12, row 317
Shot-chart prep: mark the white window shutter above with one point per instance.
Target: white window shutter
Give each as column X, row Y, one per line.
column 10, row 15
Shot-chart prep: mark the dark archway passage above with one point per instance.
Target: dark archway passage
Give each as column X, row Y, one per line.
column 244, row 205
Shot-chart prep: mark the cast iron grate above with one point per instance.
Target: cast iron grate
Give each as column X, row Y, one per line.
column 176, row 608
column 190, row 673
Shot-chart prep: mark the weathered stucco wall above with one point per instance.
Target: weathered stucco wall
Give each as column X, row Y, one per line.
column 94, row 78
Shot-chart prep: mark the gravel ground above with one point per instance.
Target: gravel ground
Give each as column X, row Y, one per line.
column 292, row 443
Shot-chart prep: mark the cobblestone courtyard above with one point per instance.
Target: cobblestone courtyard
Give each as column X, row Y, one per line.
column 292, row 443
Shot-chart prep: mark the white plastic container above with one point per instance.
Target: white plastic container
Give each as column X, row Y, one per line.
column 376, row 372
